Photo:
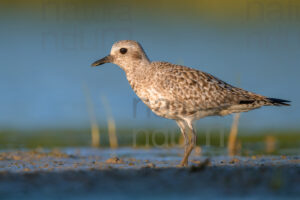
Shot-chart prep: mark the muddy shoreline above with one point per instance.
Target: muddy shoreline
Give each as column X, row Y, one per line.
column 134, row 173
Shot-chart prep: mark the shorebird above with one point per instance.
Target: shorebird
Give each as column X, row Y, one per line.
column 181, row 93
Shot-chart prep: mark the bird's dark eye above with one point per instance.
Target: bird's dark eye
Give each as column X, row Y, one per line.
column 123, row 50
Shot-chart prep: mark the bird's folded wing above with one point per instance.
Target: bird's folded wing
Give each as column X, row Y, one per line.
column 198, row 90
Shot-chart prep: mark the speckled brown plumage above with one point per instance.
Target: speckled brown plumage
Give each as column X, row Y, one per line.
column 179, row 92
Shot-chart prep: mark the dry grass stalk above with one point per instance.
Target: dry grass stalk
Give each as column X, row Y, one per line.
column 95, row 131
column 112, row 135
column 270, row 144
column 232, row 144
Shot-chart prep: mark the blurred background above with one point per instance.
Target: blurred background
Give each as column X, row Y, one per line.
column 50, row 96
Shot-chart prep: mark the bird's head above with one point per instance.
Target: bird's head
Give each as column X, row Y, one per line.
column 126, row 54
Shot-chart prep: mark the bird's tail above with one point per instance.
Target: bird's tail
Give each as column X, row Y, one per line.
column 256, row 101
column 278, row 102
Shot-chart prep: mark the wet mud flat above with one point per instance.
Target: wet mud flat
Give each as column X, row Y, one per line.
column 140, row 173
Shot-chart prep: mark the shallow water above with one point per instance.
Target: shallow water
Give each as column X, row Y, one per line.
column 46, row 74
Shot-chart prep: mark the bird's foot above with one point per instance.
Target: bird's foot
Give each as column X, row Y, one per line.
column 183, row 164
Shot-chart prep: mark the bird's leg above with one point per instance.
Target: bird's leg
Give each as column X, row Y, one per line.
column 192, row 141
column 184, row 161
column 191, row 144
column 182, row 126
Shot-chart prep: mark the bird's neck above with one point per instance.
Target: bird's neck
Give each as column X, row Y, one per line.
column 137, row 70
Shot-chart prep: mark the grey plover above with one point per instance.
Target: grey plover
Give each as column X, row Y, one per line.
column 179, row 92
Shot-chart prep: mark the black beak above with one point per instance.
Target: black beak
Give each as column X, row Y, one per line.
column 102, row 61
